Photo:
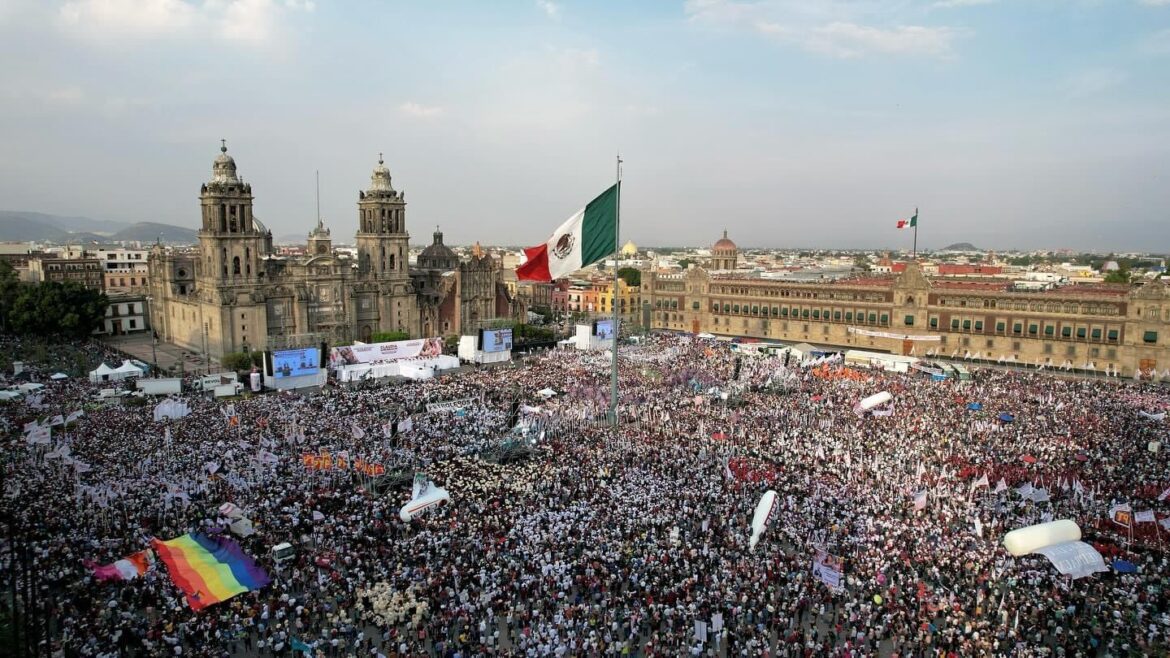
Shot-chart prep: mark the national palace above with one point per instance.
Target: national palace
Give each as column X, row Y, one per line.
column 1081, row 327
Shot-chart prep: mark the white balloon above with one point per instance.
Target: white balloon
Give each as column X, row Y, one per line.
column 1023, row 541
column 760, row 519
column 875, row 400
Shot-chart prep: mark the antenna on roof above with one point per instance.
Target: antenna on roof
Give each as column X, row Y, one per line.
column 318, row 172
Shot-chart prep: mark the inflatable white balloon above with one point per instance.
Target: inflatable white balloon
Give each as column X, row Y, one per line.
column 427, row 498
column 760, row 519
column 875, row 400
column 1023, row 541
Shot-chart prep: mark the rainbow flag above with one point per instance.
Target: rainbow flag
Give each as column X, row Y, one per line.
column 209, row 570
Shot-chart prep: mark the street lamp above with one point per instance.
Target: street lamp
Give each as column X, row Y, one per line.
column 154, row 351
column 206, row 357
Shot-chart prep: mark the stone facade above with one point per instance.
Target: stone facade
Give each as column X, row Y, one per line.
column 1118, row 328
column 233, row 293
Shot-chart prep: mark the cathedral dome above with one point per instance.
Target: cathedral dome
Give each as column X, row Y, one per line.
column 438, row 256
column 223, row 170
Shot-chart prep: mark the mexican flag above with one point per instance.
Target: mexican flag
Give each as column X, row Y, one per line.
column 909, row 223
column 585, row 238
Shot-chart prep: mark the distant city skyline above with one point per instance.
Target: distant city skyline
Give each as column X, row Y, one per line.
column 1037, row 124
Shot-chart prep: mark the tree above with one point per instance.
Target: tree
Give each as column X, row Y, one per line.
column 237, row 361
column 9, row 289
column 686, row 262
column 631, row 275
column 389, row 336
column 57, row 309
column 1118, row 276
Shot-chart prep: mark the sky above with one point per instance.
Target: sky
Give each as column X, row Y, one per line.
column 1010, row 124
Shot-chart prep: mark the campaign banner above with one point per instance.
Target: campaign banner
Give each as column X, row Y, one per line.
column 886, row 334
column 827, row 568
column 449, row 405
column 383, row 352
column 340, row 462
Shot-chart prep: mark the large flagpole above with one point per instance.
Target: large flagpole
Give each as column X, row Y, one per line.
column 914, row 250
column 617, row 220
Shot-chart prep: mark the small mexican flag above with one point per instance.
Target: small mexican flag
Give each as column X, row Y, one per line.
column 909, row 223
column 585, row 238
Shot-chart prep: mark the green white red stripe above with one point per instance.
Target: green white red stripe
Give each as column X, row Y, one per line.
column 909, row 223
column 585, row 238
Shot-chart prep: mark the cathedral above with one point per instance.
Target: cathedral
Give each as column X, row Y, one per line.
column 234, row 293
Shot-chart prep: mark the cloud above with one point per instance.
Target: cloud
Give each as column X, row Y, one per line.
column 952, row 4
column 247, row 21
column 834, row 29
column 850, row 40
column 1157, row 43
column 135, row 18
column 1093, row 81
column 419, row 110
column 578, row 58
column 550, row 8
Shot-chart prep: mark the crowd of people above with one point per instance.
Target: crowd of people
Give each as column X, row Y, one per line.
column 604, row 539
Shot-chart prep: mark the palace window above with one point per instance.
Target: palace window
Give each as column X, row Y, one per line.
column 979, row 325
column 934, row 323
column 1066, row 331
column 1081, row 332
column 1150, row 337
column 1112, row 334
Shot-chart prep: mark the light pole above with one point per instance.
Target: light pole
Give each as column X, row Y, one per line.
column 206, row 357
column 154, row 351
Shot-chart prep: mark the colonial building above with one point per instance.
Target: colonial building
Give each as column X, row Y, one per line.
column 235, row 293
column 1086, row 327
column 72, row 266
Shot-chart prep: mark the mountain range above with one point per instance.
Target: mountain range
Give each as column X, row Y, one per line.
column 26, row 226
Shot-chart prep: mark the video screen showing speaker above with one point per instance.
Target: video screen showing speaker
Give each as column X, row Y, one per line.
column 495, row 340
column 603, row 329
column 296, row 363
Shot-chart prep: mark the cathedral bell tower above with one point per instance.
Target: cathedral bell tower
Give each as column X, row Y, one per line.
column 231, row 240
column 382, row 240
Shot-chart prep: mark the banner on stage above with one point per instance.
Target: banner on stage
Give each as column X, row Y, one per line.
column 382, row 352
column 886, row 334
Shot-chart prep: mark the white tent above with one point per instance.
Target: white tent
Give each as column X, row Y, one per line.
column 127, row 369
column 101, row 374
column 58, row 376
column 546, row 392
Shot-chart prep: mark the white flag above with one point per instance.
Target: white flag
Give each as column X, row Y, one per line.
column 1000, row 486
column 358, row 433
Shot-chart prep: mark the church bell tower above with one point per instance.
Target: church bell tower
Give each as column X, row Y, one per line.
column 382, row 240
column 231, row 240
